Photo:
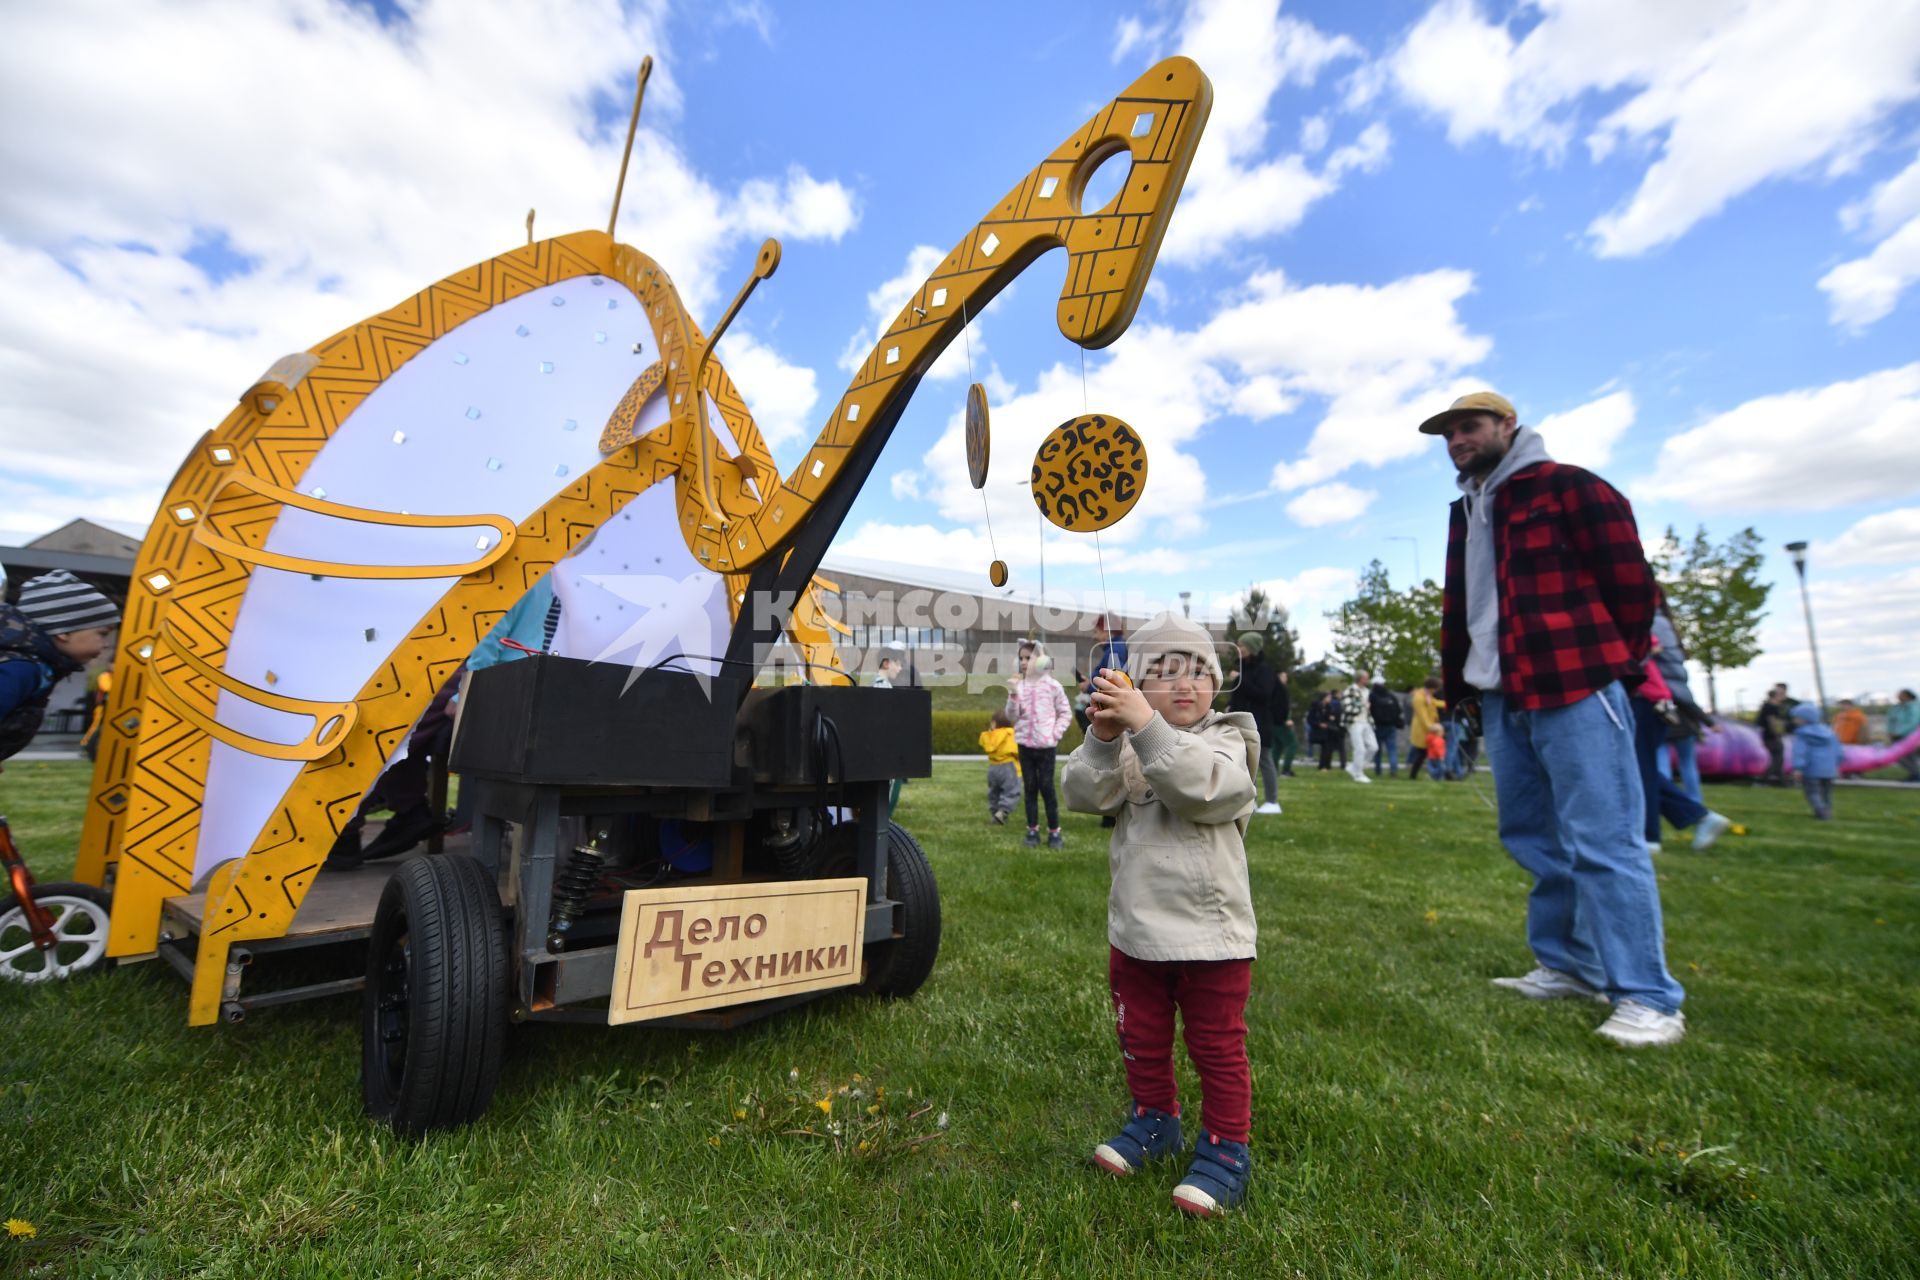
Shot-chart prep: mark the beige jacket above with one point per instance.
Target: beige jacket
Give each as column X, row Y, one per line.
column 1182, row 799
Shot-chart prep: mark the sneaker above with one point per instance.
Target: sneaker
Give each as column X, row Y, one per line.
column 1653, row 846
column 1269, row 807
column 1150, row 1135
column 1638, row 1026
column 1055, row 840
column 1550, row 984
column 999, row 817
column 345, row 854
column 1361, row 777
column 1033, row 837
column 1711, row 828
column 1217, row 1179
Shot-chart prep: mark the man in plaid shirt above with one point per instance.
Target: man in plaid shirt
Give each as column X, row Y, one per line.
column 1547, row 616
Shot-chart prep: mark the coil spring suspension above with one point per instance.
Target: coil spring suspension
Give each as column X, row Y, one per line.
column 572, row 887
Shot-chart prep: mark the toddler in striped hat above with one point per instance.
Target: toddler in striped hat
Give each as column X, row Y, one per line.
column 59, row 625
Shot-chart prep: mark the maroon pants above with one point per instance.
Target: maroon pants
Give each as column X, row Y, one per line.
column 1211, row 998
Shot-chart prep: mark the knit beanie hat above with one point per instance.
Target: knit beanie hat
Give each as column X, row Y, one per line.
column 58, row 602
column 1169, row 633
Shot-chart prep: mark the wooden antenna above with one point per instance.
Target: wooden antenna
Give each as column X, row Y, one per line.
column 639, row 93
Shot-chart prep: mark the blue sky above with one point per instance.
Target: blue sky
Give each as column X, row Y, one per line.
column 1681, row 238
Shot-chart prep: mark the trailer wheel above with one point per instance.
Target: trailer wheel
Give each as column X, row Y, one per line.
column 79, row 914
column 896, row 967
column 436, row 1002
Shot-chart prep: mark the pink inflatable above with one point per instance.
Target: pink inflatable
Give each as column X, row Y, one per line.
column 1733, row 750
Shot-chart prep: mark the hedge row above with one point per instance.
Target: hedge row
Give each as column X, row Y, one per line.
column 957, row 733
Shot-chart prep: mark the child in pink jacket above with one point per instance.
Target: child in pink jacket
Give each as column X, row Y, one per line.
column 1038, row 707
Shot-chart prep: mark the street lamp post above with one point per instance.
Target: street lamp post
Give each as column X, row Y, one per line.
column 1798, row 550
column 1186, row 604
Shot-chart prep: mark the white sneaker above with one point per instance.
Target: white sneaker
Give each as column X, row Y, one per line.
column 1268, row 807
column 1550, row 984
column 1711, row 828
column 1653, row 846
column 1637, row 1026
column 1361, row 777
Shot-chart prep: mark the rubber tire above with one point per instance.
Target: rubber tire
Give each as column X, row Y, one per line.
column 896, row 967
column 84, row 897
column 437, row 985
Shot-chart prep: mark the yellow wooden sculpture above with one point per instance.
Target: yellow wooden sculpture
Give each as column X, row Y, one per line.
column 182, row 700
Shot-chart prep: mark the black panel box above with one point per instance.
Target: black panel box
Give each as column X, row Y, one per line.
column 854, row 734
column 563, row 721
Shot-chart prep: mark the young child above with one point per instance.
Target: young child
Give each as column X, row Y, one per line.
column 1180, row 928
column 1038, row 708
column 60, row 625
column 1816, row 754
column 1003, row 770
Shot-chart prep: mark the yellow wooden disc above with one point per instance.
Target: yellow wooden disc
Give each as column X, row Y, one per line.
column 977, row 441
column 1089, row 472
column 997, row 573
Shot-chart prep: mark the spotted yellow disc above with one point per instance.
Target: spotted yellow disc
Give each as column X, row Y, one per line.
column 977, row 442
column 1089, row 472
column 997, row 573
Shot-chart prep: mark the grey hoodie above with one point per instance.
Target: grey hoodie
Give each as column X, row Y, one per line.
column 1483, row 587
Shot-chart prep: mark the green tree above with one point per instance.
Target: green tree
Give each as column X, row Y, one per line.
column 1259, row 612
column 1395, row 634
column 1716, row 599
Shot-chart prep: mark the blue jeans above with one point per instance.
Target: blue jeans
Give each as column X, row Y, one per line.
column 1688, row 775
column 1572, row 814
column 1389, row 751
column 1664, row 798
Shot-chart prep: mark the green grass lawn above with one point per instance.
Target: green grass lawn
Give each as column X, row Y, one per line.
column 1409, row 1119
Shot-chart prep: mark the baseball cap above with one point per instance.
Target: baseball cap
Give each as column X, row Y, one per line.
column 1475, row 402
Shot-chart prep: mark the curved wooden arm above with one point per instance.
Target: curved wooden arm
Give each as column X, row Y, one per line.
column 1156, row 122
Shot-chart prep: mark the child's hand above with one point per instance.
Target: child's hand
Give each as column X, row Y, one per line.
column 1116, row 707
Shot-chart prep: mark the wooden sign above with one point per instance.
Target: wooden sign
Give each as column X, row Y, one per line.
column 706, row 946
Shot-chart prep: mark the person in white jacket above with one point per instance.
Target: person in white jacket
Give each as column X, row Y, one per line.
column 1038, row 708
column 1179, row 778
column 1361, row 740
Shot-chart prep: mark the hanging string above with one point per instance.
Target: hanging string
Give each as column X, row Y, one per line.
column 1099, row 554
column 986, row 507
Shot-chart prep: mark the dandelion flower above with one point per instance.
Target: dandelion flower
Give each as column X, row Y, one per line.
column 826, row 1105
column 739, row 1113
column 20, row 1228
column 874, row 1110
column 713, row 1140
column 1433, row 917
column 864, row 1145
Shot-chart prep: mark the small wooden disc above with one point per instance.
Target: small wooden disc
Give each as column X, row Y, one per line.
column 977, row 442
column 997, row 573
column 1089, row 472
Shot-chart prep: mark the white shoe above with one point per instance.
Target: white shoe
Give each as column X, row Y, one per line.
column 1361, row 777
column 1550, row 984
column 1638, row 1026
column 1268, row 807
column 1711, row 828
column 1653, row 846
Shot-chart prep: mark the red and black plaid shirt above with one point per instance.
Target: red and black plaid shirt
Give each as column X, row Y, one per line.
column 1576, row 595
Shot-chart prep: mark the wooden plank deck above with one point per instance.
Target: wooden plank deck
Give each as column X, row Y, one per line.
column 340, row 903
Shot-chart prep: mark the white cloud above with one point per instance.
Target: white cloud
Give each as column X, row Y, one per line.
column 1306, row 596
column 1864, row 290
column 1235, row 191
column 1892, row 537
column 780, row 394
column 337, row 199
column 1585, row 436
column 1805, row 450
column 1724, row 94
column 1379, row 355
column 905, row 484
column 1866, row 629
column 1330, row 504
column 1313, row 134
